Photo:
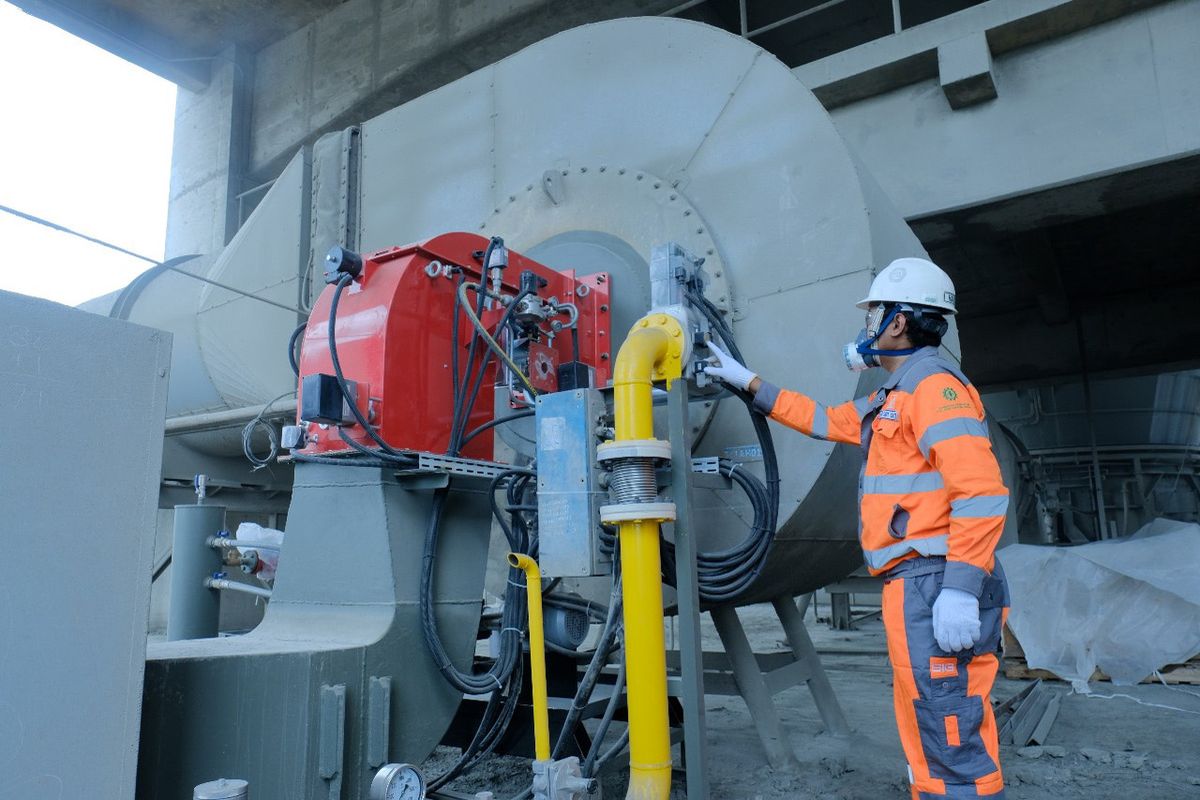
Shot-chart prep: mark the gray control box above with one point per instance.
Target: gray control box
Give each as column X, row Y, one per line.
column 569, row 493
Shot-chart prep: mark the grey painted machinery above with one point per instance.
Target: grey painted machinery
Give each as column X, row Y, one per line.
column 585, row 152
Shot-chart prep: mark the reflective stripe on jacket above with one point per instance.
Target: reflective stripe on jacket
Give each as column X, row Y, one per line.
column 930, row 484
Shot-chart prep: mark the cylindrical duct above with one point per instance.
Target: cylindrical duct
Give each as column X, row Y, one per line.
column 195, row 610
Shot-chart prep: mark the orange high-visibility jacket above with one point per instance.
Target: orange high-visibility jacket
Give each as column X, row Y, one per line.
column 930, row 484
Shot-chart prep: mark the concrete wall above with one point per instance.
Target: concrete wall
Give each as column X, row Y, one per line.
column 1081, row 88
column 1106, row 99
column 353, row 63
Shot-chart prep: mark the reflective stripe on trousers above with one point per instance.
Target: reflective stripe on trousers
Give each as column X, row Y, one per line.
column 942, row 700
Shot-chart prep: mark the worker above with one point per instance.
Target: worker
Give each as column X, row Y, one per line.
column 932, row 507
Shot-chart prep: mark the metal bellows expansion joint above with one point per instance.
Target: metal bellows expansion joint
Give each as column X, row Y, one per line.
column 632, row 483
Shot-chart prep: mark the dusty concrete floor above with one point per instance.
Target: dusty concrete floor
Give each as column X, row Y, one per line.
column 1132, row 750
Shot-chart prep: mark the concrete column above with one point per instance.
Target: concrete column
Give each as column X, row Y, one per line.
column 212, row 131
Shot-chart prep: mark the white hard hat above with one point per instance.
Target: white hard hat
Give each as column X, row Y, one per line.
column 912, row 280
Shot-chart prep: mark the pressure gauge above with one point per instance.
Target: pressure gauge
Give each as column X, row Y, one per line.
column 398, row 782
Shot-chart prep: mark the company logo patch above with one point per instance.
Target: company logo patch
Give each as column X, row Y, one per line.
column 949, row 393
column 889, row 413
column 943, row 668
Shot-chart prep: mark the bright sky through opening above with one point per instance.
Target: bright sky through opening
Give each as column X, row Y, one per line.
column 85, row 141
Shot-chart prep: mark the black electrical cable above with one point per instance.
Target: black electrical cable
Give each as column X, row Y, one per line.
column 620, row 745
column 493, row 727
column 594, row 611
column 497, row 716
column 401, row 459
column 725, row 574
column 587, row 683
column 469, row 405
column 610, row 710
column 293, row 358
column 388, row 452
column 511, row 618
column 513, row 417
column 461, row 390
column 342, row 461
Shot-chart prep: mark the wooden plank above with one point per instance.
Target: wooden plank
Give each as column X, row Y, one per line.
column 1188, row 674
column 1017, row 668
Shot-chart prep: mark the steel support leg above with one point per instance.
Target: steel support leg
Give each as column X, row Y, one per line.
column 753, row 687
column 818, row 682
column 691, row 657
column 841, row 616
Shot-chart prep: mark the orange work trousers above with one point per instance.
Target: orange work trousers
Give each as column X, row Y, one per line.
column 943, row 703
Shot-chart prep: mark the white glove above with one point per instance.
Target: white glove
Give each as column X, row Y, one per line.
column 955, row 620
column 728, row 369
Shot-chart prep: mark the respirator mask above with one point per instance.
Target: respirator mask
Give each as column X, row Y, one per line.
column 858, row 354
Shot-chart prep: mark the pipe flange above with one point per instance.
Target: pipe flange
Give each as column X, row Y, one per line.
column 638, row 512
column 634, row 448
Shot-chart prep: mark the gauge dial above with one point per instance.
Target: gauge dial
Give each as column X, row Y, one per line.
column 398, row 782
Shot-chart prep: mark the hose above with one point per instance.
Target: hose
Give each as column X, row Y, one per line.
column 513, row 417
column 293, row 357
column 609, row 712
column 463, row 411
column 492, row 344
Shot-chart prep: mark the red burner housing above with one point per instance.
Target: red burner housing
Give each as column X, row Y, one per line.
column 394, row 331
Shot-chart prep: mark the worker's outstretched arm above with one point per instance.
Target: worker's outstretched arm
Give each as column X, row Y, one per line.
column 948, row 422
column 837, row 424
column 840, row 423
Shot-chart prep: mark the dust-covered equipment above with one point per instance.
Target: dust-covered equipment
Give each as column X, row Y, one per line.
column 507, row 288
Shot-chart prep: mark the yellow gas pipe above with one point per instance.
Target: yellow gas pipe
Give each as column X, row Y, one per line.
column 653, row 350
column 537, row 654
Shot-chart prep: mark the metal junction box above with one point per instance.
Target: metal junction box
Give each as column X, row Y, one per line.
column 569, row 492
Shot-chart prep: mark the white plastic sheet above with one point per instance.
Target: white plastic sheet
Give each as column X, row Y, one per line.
column 1128, row 606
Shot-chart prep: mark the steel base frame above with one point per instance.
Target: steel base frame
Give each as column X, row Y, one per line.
column 754, row 685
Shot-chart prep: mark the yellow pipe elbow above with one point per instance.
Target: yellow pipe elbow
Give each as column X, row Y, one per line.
column 537, row 654
column 652, row 351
